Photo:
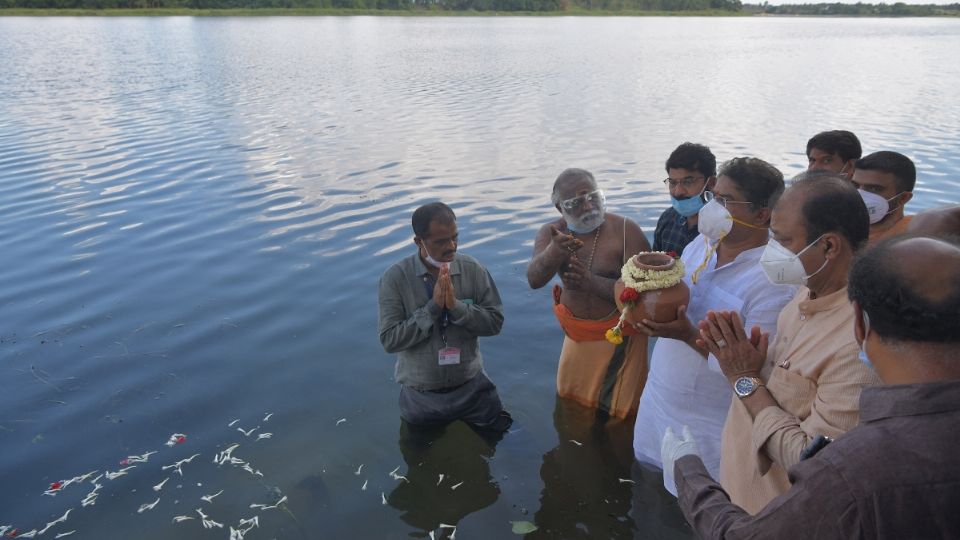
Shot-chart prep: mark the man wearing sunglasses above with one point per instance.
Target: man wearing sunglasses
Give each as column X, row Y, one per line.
column 586, row 247
column 691, row 170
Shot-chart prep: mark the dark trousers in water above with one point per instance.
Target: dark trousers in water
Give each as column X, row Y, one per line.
column 475, row 402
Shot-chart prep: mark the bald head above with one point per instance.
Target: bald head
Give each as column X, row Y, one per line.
column 937, row 222
column 826, row 203
column 909, row 287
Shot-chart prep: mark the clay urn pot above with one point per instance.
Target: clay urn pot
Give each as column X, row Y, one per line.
column 658, row 305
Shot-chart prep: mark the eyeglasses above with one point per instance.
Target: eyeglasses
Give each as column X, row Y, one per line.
column 710, row 196
column 595, row 198
column 686, row 182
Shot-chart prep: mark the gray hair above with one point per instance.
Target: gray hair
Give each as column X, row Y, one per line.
column 570, row 175
column 820, row 173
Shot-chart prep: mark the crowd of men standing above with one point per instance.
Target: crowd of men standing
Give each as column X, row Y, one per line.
column 809, row 388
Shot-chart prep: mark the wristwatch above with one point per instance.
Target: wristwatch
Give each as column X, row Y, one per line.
column 745, row 386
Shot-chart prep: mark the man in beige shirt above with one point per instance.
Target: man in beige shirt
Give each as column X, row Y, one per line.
column 808, row 381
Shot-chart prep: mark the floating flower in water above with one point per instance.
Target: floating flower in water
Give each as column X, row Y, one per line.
column 55, row 486
column 175, row 439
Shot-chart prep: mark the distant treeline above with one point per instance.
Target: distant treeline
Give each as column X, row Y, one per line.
column 413, row 5
column 560, row 6
column 898, row 9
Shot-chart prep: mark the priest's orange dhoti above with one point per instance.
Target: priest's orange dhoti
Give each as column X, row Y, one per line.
column 595, row 372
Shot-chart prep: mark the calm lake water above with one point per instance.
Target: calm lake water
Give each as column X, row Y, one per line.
column 194, row 213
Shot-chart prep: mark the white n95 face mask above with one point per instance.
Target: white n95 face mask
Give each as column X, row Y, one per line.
column 783, row 266
column 877, row 206
column 714, row 221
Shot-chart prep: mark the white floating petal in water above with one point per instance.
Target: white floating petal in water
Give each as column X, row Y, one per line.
column 455, row 486
column 432, row 537
column 264, row 436
column 91, row 497
column 30, row 534
column 453, row 534
column 440, row 480
column 61, row 519
column 247, row 432
column 232, row 423
column 249, row 469
column 176, row 466
column 578, row 443
column 268, row 507
column 148, row 506
column 340, row 421
column 246, row 524
column 364, row 488
column 121, row 472
column 142, row 458
column 394, row 472
column 626, row 481
column 208, row 523
column 68, row 533
column 383, row 499
column 360, row 468
column 267, row 417
column 159, row 486
column 209, row 498
column 178, row 519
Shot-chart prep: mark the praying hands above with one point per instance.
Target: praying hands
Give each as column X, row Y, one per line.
column 739, row 355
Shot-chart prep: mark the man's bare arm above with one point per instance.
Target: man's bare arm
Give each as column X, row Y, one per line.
column 551, row 250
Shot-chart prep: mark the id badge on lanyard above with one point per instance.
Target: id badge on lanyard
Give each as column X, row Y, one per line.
column 448, row 355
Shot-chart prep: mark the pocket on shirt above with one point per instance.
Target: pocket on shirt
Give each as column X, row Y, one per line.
column 794, row 392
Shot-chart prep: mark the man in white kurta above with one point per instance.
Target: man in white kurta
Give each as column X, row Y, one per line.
column 685, row 385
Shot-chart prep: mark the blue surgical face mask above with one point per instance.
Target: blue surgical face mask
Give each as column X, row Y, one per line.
column 689, row 206
column 863, row 345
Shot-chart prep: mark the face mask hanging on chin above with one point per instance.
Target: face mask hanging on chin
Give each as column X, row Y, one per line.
column 783, row 266
column 691, row 205
column 431, row 261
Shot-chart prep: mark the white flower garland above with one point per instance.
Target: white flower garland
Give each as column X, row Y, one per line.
column 642, row 279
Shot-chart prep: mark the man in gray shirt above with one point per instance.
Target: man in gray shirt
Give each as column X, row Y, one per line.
column 434, row 305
